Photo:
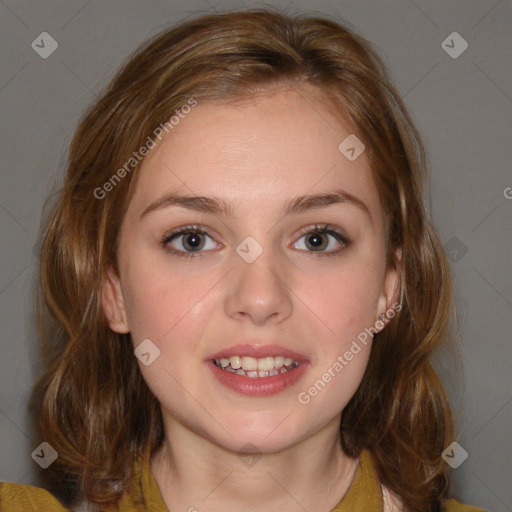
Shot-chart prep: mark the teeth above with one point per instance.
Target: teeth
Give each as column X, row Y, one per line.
column 253, row 367
column 236, row 362
column 249, row 363
column 278, row 361
column 266, row 363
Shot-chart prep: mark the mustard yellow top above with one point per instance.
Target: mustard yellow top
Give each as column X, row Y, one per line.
column 364, row 495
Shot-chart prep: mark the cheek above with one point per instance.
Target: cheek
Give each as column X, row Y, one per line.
column 344, row 301
column 172, row 310
column 346, row 305
column 163, row 305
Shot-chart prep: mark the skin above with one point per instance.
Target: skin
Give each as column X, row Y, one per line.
column 258, row 154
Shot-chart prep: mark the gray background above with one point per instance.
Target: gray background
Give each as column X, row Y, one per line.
column 461, row 106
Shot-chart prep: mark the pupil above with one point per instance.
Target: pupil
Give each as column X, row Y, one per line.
column 192, row 241
column 316, row 241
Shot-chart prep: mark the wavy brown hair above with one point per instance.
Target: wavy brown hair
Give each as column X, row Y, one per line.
column 94, row 406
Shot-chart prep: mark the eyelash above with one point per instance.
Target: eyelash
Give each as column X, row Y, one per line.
column 196, row 229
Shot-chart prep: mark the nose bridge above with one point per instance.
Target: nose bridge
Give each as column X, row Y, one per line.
column 257, row 286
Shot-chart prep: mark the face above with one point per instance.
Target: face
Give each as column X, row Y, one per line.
column 253, row 275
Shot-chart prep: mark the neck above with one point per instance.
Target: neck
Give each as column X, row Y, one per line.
column 195, row 474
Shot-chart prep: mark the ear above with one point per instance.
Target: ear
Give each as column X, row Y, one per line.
column 113, row 303
column 390, row 294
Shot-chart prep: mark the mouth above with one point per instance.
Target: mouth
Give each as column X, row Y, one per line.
column 252, row 367
column 257, row 370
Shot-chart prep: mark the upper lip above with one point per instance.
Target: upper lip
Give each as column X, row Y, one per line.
column 258, row 351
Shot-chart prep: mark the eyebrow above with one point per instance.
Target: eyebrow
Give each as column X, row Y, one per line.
column 216, row 206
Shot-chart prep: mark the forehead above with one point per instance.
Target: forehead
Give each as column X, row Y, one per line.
column 263, row 150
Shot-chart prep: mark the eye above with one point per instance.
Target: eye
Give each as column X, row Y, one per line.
column 322, row 237
column 187, row 240
column 191, row 241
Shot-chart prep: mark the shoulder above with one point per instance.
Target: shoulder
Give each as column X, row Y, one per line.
column 455, row 506
column 26, row 498
column 392, row 504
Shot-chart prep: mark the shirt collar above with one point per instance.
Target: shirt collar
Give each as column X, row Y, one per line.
column 364, row 494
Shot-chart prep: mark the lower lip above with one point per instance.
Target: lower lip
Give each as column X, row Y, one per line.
column 258, row 386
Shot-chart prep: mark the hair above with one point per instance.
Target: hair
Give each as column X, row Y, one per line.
column 94, row 407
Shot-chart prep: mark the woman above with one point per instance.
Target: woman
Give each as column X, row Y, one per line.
column 247, row 286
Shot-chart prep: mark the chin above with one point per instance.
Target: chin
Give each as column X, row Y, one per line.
column 253, row 433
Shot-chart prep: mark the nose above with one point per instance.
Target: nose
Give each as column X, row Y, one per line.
column 258, row 291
